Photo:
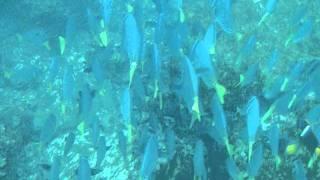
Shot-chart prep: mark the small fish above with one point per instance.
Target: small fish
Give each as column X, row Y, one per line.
column 199, row 167
column 253, row 121
column 150, row 157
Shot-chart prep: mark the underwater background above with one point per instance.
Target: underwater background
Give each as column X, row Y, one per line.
column 159, row 89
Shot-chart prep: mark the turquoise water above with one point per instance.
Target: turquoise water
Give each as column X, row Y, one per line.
column 159, row 89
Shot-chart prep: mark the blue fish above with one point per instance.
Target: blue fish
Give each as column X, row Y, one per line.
column 256, row 161
column 54, row 69
column 125, row 106
column 210, row 39
column 272, row 60
column 199, row 167
column 69, row 141
column 97, row 70
column 101, row 151
column 85, row 103
column 274, row 89
column 203, row 65
column 170, row 143
column 249, row 46
column 106, row 10
column 250, row 75
column 232, row 169
column 156, row 61
column 159, row 33
column 125, row 109
column 274, row 137
column 190, row 88
column 132, row 43
column 25, row 77
column 299, row 172
column 95, row 130
column 156, row 68
column 176, row 35
column 298, row 15
column 177, row 5
column 84, row 171
column 313, row 118
column 55, row 169
column 71, row 29
column 253, row 121
column 246, row 51
column 223, row 15
column 269, row 7
column 220, row 122
column 122, row 142
column 48, row 129
column 304, row 31
column 68, row 85
column 132, row 38
column 150, row 157
column 93, row 22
